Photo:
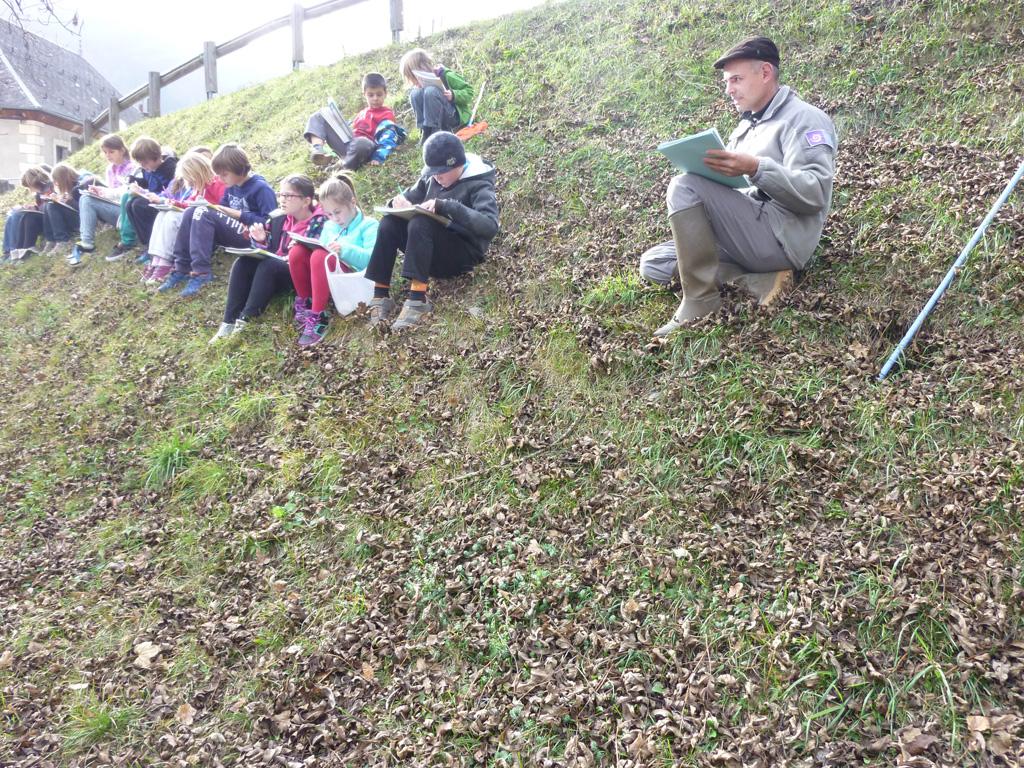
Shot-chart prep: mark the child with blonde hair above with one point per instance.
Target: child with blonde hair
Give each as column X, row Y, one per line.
column 347, row 241
column 194, row 179
column 440, row 97
column 247, row 201
column 103, row 203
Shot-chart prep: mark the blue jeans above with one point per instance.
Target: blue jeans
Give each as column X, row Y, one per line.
column 92, row 210
column 11, row 227
column 62, row 221
column 433, row 110
column 23, row 228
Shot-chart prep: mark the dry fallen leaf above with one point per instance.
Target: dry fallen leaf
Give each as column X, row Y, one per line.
column 6, row 660
column 368, row 672
column 916, row 743
column 145, row 652
column 185, row 714
column 977, row 723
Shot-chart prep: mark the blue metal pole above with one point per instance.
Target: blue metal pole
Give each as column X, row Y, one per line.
column 953, row 271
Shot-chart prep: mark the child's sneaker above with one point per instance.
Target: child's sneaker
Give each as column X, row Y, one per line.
column 315, row 329
column 413, row 314
column 78, row 251
column 380, row 310
column 195, row 284
column 225, row 330
column 240, row 325
column 172, row 281
column 321, row 156
column 119, row 251
column 143, row 258
column 146, row 274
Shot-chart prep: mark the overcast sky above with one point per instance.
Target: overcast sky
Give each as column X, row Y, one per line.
column 126, row 39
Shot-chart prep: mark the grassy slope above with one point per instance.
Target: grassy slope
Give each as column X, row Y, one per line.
column 521, row 535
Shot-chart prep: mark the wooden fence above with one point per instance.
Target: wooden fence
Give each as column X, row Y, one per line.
column 207, row 61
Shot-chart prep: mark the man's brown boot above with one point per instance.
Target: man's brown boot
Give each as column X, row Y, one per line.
column 697, row 253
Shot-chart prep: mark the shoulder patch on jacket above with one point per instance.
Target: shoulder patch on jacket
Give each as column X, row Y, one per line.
column 818, row 137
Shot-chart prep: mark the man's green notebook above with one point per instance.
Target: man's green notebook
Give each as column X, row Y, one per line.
column 687, row 154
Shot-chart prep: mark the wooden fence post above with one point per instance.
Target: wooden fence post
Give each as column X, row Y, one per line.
column 114, row 119
column 210, row 68
column 153, row 103
column 396, row 20
column 298, row 14
column 87, row 132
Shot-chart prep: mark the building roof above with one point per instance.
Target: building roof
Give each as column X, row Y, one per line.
column 39, row 76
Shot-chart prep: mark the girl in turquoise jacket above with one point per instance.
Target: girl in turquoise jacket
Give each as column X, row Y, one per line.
column 346, row 240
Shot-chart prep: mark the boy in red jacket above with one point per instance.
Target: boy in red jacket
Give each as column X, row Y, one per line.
column 373, row 136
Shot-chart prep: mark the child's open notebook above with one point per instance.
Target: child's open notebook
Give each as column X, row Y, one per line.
column 408, row 213
column 254, row 252
column 337, row 121
column 312, row 242
column 687, row 154
column 166, row 207
column 61, row 203
column 428, row 79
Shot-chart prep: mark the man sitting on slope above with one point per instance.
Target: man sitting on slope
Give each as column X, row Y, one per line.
column 756, row 237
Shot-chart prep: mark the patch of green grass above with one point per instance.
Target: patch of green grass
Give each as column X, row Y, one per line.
column 169, row 457
column 90, row 720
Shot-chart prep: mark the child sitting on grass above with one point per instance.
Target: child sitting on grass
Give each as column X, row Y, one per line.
column 453, row 184
column 102, row 203
column 26, row 222
column 247, row 200
column 62, row 210
column 255, row 281
column 194, row 179
column 375, row 132
column 347, row 240
column 156, row 172
column 436, row 108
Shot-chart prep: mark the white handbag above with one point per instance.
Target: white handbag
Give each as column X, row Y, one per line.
column 348, row 289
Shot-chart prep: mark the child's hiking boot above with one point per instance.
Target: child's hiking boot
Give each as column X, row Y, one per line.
column 413, row 315
column 143, row 258
column 315, row 329
column 195, row 285
column 380, row 310
column 321, row 156
column 302, row 311
column 119, row 251
column 225, row 330
column 172, row 281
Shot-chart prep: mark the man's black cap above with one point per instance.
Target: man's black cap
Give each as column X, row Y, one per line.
column 759, row 48
column 443, row 152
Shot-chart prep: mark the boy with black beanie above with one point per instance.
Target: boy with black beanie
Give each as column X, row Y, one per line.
column 456, row 185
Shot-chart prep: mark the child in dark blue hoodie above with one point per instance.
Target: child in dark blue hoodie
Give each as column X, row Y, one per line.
column 247, row 200
column 154, row 175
